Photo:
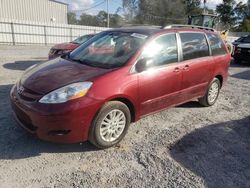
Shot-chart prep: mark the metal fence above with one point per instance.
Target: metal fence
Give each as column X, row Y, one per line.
column 26, row 32
column 21, row 32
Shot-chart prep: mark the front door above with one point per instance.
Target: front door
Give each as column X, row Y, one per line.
column 159, row 85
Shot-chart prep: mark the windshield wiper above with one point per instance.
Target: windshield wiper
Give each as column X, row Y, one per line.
column 91, row 64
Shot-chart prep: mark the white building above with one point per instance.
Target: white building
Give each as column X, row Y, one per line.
column 45, row 11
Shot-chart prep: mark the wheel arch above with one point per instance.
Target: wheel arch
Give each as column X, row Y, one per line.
column 129, row 104
column 220, row 77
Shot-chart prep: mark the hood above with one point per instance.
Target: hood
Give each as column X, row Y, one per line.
column 66, row 46
column 51, row 75
column 247, row 45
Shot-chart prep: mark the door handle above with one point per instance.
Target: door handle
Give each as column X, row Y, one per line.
column 176, row 69
column 186, row 67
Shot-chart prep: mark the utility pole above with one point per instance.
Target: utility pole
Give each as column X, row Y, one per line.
column 107, row 13
column 205, row 7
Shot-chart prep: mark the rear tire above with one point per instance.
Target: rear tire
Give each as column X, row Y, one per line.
column 212, row 93
column 110, row 125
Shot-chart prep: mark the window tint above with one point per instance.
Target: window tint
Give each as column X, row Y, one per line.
column 217, row 45
column 194, row 45
column 162, row 50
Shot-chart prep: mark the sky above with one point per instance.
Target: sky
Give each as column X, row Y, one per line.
column 94, row 6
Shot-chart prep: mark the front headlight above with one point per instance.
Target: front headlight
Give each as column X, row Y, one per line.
column 66, row 93
column 63, row 52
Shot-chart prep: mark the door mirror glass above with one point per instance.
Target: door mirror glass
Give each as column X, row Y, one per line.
column 144, row 64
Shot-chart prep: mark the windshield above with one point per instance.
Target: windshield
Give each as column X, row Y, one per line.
column 109, row 49
column 82, row 39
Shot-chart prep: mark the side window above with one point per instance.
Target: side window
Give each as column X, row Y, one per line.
column 162, row 50
column 194, row 45
column 217, row 45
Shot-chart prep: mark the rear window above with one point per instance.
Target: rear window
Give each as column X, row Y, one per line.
column 194, row 45
column 217, row 45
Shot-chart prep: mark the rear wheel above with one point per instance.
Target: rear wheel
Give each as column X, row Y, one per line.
column 212, row 93
column 110, row 125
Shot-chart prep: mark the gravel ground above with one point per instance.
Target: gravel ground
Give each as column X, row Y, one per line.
column 186, row 146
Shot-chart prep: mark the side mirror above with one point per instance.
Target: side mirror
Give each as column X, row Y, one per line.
column 143, row 64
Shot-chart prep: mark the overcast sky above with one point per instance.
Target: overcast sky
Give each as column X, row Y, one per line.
column 114, row 5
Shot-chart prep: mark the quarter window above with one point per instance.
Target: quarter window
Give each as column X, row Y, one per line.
column 162, row 50
column 217, row 45
column 194, row 45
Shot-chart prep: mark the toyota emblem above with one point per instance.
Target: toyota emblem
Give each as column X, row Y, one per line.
column 20, row 90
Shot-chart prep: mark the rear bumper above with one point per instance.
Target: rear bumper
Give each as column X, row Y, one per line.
column 64, row 123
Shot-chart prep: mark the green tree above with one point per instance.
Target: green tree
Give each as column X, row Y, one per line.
column 246, row 25
column 86, row 19
column 130, row 8
column 192, row 7
column 72, row 18
column 231, row 13
column 161, row 12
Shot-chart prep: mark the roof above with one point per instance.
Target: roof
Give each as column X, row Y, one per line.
column 56, row 1
column 151, row 30
column 146, row 30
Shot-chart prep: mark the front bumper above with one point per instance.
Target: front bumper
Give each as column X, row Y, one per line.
column 244, row 55
column 65, row 123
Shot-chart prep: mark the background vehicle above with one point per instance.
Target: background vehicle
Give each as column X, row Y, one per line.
column 210, row 21
column 116, row 78
column 64, row 48
column 242, row 53
column 242, row 40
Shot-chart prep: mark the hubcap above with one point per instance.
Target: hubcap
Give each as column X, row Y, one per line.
column 213, row 92
column 113, row 125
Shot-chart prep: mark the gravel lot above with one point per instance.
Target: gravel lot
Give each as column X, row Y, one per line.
column 186, row 146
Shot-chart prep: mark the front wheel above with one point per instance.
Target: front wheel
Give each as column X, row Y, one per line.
column 110, row 125
column 212, row 93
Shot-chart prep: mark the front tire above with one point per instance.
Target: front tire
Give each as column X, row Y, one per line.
column 212, row 93
column 110, row 125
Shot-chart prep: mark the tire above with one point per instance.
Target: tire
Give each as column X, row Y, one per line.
column 208, row 99
column 103, row 133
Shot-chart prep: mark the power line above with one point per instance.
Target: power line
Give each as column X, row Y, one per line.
column 96, row 5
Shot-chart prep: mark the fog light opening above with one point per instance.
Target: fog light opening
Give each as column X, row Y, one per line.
column 59, row 132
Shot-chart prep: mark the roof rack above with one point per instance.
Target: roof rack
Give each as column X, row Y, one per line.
column 189, row 26
column 140, row 25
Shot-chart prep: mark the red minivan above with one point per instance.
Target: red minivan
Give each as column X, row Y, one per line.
column 118, row 77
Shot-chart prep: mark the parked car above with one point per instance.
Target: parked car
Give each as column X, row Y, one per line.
column 94, row 94
column 64, row 48
column 242, row 53
column 241, row 40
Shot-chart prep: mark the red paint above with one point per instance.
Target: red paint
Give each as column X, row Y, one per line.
column 148, row 91
column 67, row 46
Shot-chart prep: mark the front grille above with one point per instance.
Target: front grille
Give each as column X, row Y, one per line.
column 245, row 50
column 28, row 95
